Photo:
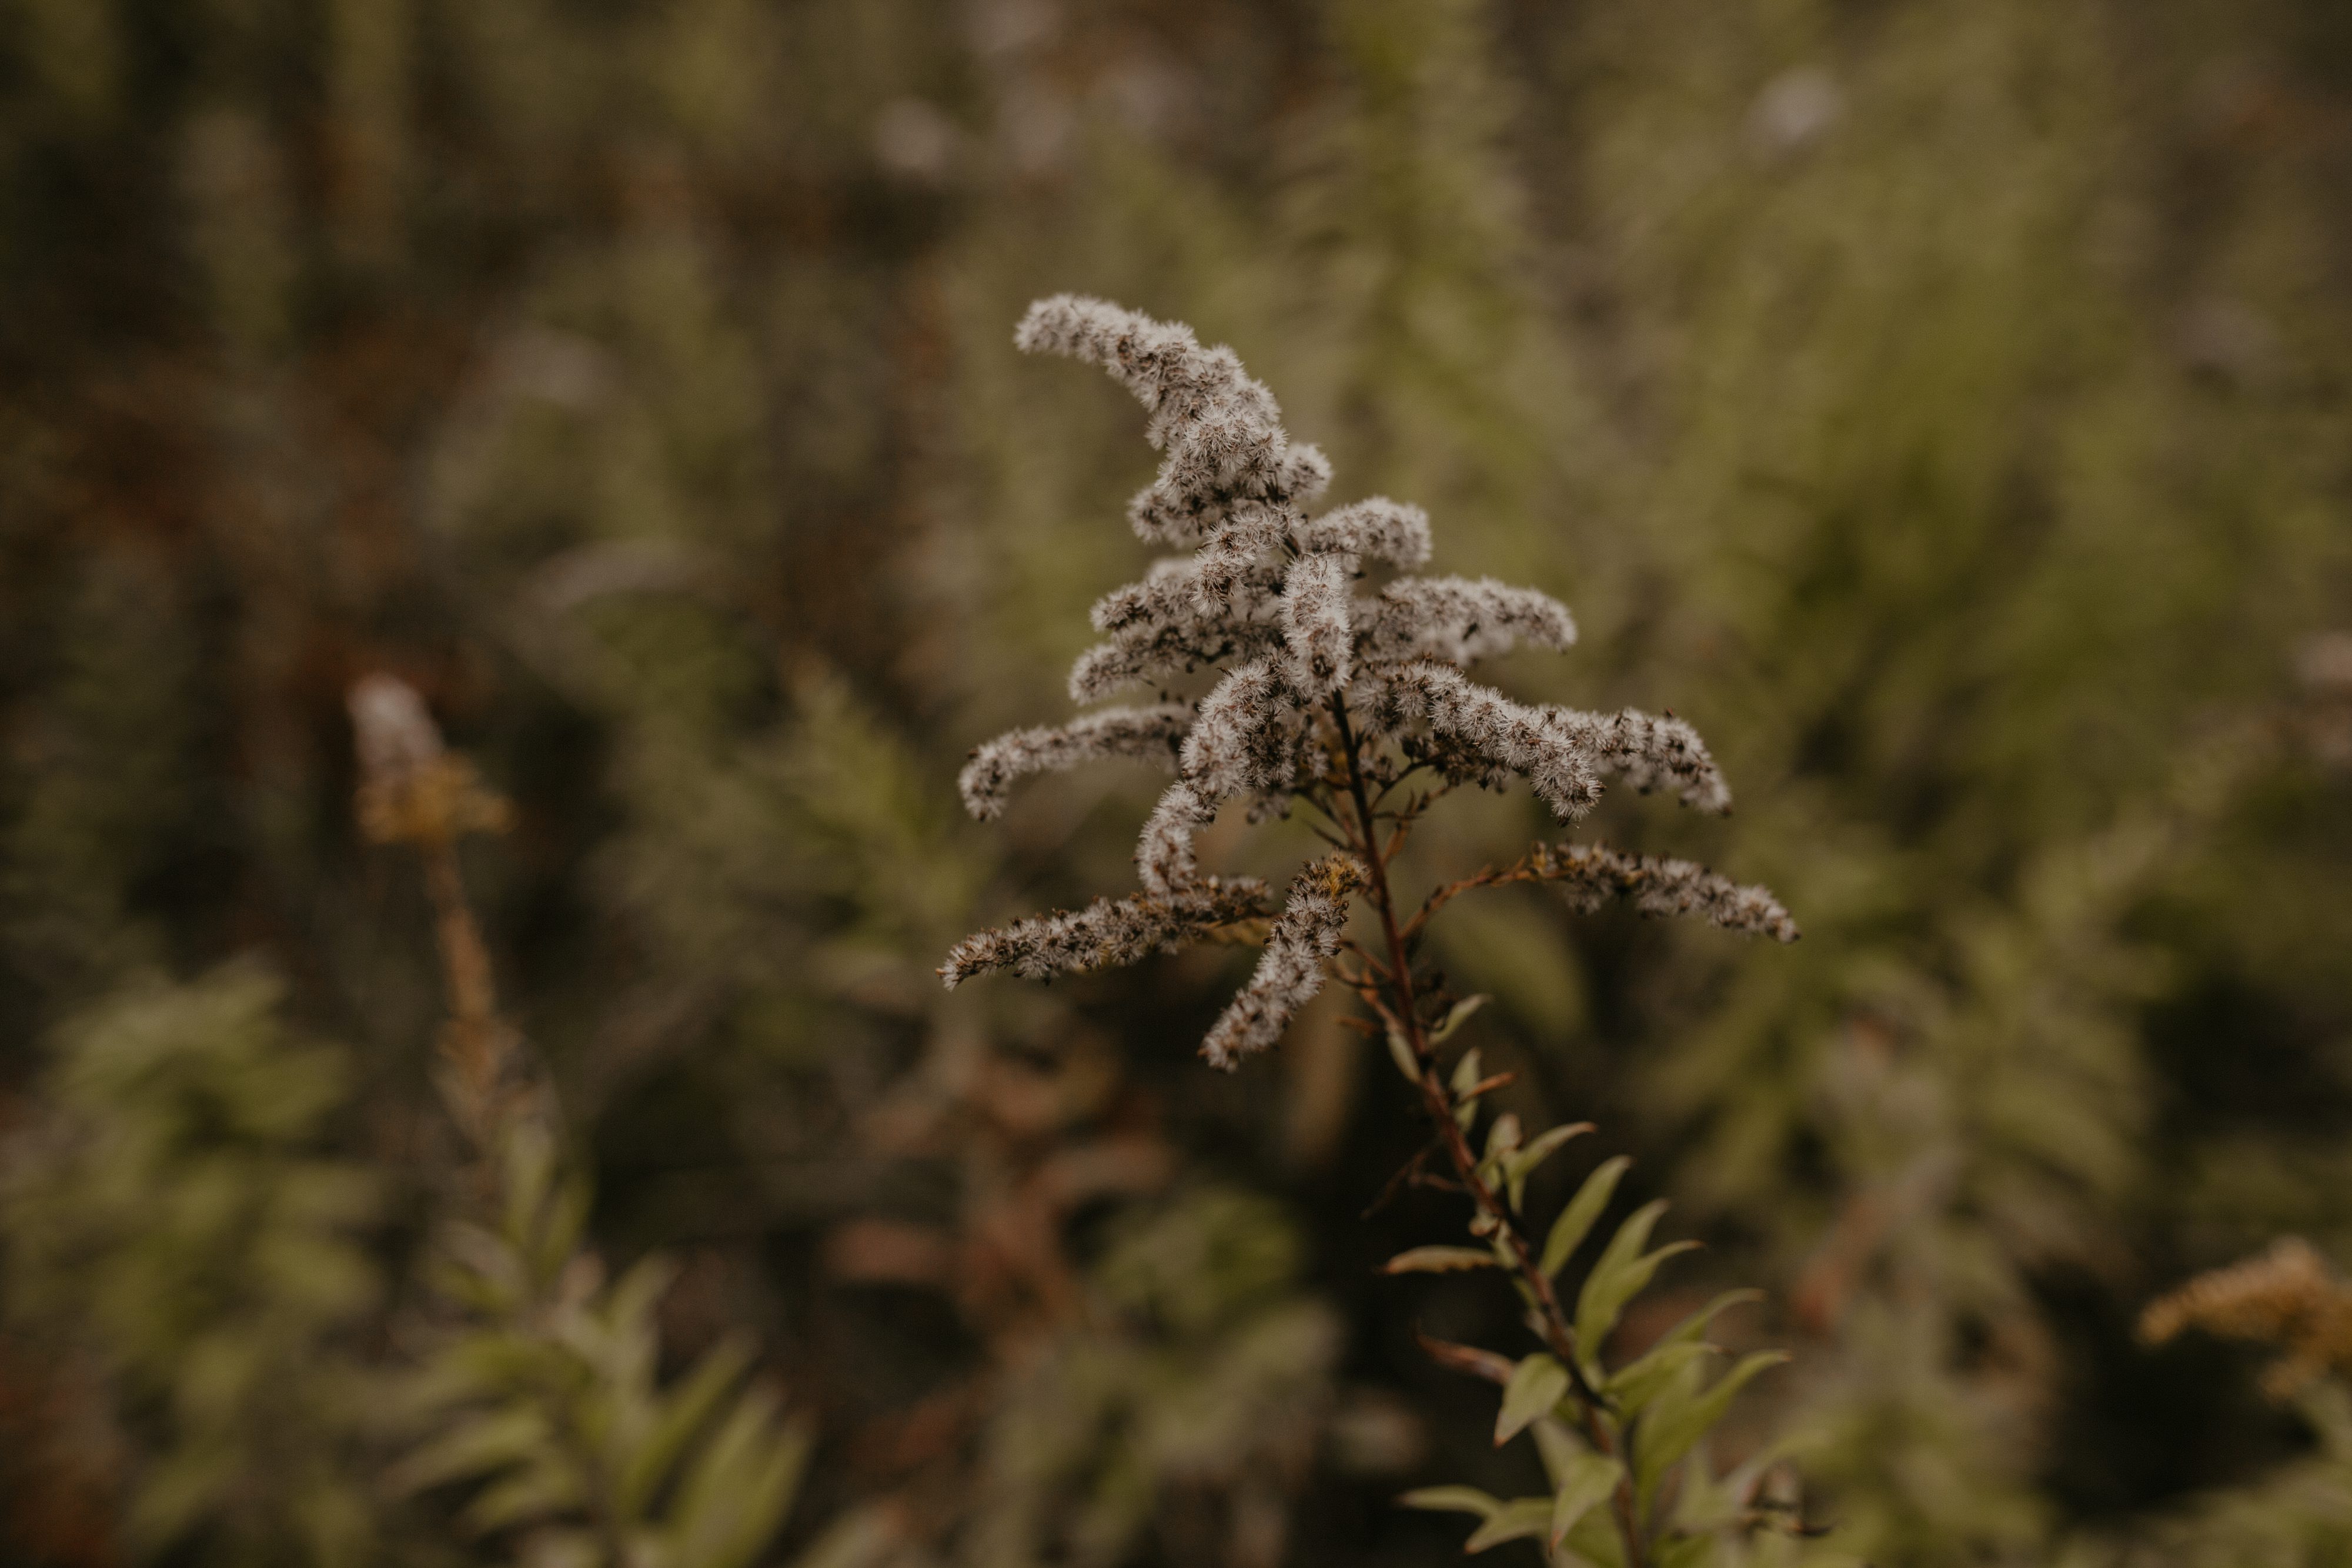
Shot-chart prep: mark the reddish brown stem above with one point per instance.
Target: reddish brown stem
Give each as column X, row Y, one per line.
column 1400, row 1010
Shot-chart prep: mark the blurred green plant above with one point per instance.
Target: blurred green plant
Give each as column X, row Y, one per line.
column 1193, row 1396
column 177, row 1226
column 540, row 1387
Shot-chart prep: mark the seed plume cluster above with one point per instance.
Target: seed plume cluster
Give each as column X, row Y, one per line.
column 1593, row 873
column 1322, row 685
column 2287, row 1297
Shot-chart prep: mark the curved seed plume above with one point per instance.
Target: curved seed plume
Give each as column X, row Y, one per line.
column 1247, row 735
column 1488, row 737
column 1163, row 854
column 1222, row 431
column 1384, row 529
column 1106, row 933
column 1593, row 873
column 1290, row 973
column 1458, row 621
column 1315, row 621
column 1159, row 627
column 1150, row 734
column 1650, row 752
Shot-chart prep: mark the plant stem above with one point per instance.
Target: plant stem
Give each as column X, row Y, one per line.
column 1437, row 1101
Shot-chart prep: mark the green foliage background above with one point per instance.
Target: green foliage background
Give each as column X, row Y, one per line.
column 1943, row 403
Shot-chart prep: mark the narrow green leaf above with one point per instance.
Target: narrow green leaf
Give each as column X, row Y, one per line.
column 1635, row 1386
column 1536, row 1384
column 1522, row 1163
column 734, row 1494
column 477, row 1446
column 1465, row 1077
column 1518, row 1520
column 1438, row 1261
column 1621, row 1274
column 541, row 1491
column 1452, row 1500
column 1683, row 1414
column 1456, row 1017
column 1400, row 1052
column 1503, row 1137
column 1465, row 1072
column 1691, row 1328
column 630, row 1305
column 1590, row 1478
column 1636, row 1383
column 1704, row 1503
column 1560, row 1450
column 684, row 1415
column 1582, row 1209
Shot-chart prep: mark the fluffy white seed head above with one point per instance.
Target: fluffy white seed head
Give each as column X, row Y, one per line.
column 1650, row 752
column 392, row 729
column 1384, row 529
column 1459, row 621
column 1160, row 627
column 1593, row 873
column 1246, row 738
column 1482, row 735
column 1290, row 972
column 1266, row 599
column 1148, row 734
column 1222, row 431
column 1163, row 854
column 1106, row 933
column 1315, row 621
column 1306, row 474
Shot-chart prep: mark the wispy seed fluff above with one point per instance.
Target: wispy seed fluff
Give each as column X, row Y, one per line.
column 1151, row 733
column 1593, row 873
column 1291, row 972
column 1270, row 602
column 1107, row 932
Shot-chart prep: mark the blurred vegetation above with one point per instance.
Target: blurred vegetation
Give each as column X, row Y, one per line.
column 1943, row 403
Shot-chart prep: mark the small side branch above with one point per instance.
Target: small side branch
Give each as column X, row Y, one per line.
column 1654, row 884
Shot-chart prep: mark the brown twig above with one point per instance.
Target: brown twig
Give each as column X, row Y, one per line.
column 1399, row 1009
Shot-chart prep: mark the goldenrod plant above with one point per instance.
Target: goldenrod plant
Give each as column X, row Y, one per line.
column 1356, row 710
column 1939, row 406
column 541, row 1391
column 2291, row 1299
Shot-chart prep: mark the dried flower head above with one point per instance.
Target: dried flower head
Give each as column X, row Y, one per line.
column 1324, row 695
column 413, row 790
column 2287, row 1297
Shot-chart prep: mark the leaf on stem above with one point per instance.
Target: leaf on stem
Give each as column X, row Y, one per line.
column 1456, row 1017
column 1400, row 1052
column 1522, row 1163
column 1438, row 1261
column 1577, row 1219
column 1518, row 1520
column 1502, row 1140
column 1590, row 1479
column 1682, row 1414
column 1621, row 1274
column 1466, row 1358
column 1452, row 1500
column 1466, row 1079
column 1537, row 1385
